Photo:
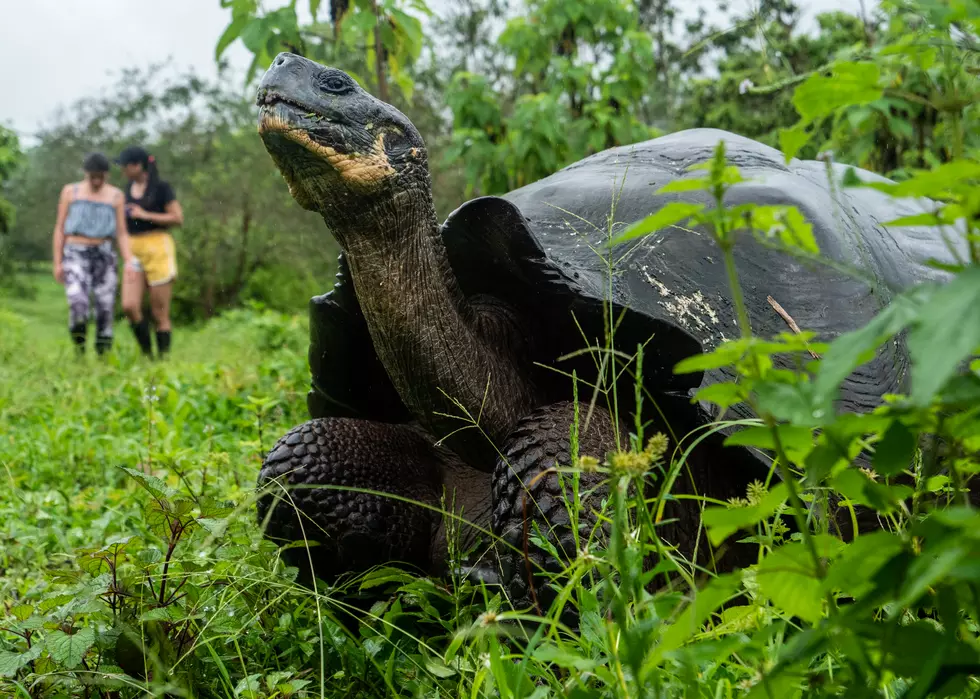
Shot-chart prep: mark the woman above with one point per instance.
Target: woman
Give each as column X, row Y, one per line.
column 151, row 209
column 90, row 214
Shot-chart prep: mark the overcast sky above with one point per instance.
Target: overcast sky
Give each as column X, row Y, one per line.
column 53, row 52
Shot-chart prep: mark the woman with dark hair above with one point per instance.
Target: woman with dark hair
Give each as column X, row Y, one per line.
column 90, row 214
column 151, row 209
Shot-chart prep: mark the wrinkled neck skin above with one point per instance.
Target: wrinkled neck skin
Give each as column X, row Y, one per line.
column 438, row 346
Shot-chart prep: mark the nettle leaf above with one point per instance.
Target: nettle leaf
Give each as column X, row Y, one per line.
column 893, row 454
column 11, row 663
column 724, row 395
column 156, row 487
column 792, row 140
column 849, row 84
column 787, row 577
column 68, row 649
column 853, row 573
column 722, row 522
column 859, row 488
column 669, row 215
column 946, row 332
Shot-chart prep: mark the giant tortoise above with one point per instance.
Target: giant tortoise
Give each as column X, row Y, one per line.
column 441, row 360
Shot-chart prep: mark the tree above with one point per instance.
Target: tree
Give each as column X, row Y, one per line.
column 580, row 79
column 240, row 222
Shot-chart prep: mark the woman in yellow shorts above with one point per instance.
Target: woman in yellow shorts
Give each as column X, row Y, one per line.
column 151, row 209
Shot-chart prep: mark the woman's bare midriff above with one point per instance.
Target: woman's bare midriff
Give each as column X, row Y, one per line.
column 83, row 240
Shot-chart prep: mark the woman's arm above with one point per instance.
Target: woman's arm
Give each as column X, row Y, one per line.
column 58, row 239
column 173, row 216
column 122, row 234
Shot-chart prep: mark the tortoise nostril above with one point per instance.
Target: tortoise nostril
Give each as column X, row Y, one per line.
column 280, row 60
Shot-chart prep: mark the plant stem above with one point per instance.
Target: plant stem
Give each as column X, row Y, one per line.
column 781, row 460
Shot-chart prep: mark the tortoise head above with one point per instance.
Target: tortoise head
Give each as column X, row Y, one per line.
column 342, row 151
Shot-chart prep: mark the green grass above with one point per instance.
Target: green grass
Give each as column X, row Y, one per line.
column 131, row 563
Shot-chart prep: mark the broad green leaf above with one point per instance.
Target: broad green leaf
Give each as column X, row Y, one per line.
column 792, row 140
column 723, row 394
column 231, row 32
column 859, row 488
column 722, row 522
column 669, row 215
column 437, row 668
column 930, row 569
column 254, row 34
column 894, row 452
column 156, row 487
column 11, row 662
column 947, row 331
column 849, row 84
column 788, row 578
column 68, row 649
column 854, row 571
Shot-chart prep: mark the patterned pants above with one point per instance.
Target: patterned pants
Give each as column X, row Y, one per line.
column 90, row 270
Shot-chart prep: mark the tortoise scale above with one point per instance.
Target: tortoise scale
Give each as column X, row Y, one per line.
column 434, row 357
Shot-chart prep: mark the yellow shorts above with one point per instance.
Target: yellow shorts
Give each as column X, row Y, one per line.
column 156, row 255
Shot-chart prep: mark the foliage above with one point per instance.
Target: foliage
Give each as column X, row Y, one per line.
column 144, row 570
column 10, row 158
column 385, row 34
column 907, row 102
column 239, row 219
column 578, row 82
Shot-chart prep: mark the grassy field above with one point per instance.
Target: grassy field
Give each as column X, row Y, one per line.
column 131, row 564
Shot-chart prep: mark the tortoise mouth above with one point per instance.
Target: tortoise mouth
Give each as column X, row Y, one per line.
column 283, row 113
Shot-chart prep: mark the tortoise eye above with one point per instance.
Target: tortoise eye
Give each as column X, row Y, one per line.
column 333, row 83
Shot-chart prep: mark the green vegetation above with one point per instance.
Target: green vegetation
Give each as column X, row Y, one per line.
column 130, row 561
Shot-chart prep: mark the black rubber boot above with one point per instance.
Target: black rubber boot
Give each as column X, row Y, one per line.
column 142, row 332
column 163, row 343
column 103, row 344
column 78, row 337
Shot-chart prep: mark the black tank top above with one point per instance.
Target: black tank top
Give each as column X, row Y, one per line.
column 154, row 200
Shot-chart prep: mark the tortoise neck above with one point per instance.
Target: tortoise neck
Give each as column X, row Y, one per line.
column 430, row 338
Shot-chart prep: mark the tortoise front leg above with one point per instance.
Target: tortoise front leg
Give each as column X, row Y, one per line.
column 524, row 494
column 353, row 530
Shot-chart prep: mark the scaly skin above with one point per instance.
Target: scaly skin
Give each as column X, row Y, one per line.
column 362, row 165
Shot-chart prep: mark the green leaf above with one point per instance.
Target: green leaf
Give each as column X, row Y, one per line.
column 854, row 571
column 68, row 649
column 689, row 622
column 231, row 32
column 792, row 140
column 788, row 578
column 564, row 657
column 669, row 215
column 687, row 184
column 723, row 394
column 11, row 662
column 722, row 522
column 859, row 488
column 849, row 84
column 854, row 348
column 254, row 34
column 947, row 331
column 894, row 452
column 384, row 576
column 156, row 487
